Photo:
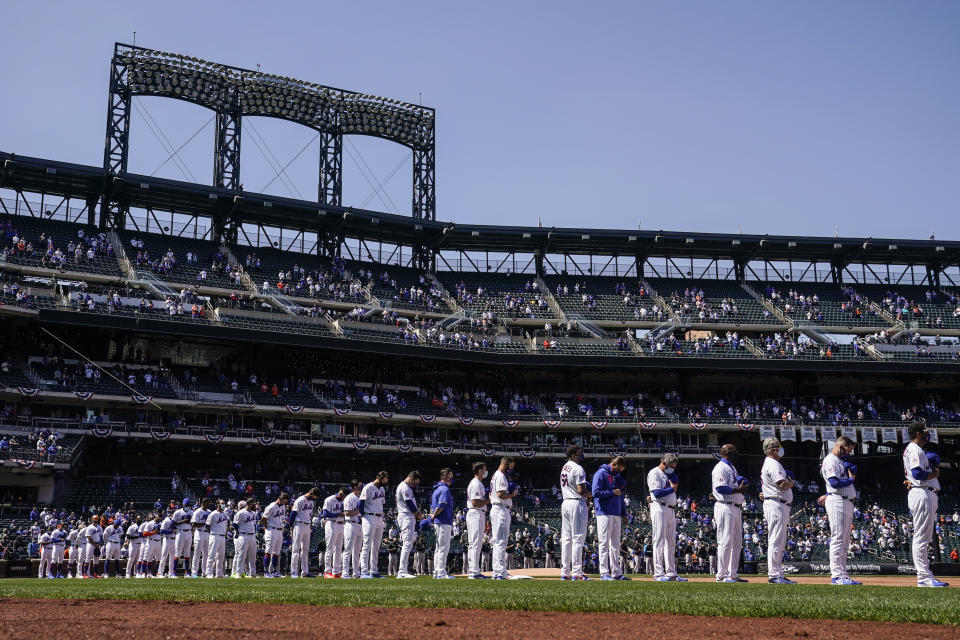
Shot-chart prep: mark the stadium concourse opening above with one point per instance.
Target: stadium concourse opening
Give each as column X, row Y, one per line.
column 202, row 381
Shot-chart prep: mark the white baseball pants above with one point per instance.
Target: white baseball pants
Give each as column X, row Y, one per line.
column 923, row 507
column 840, row 516
column 728, row 519
column 407, row 525
column 476, row 523
column 352, row 540
column 201, row 542
column 166, row 557
column 216, row 555
column 183, row 543
column 133, row 557
column 443, row 532
column 80, row 551
column 777, row 516
column 272, row 541
column 608, row 541
column 300, row 550
column 246, row 554
column 151, row 550
column 46, row 561
column 333, row 556
column 372, row 527
column 573, row 533
column 499, row 532
column 664, row 537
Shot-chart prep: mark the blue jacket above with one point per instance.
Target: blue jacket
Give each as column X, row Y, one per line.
column 604, row 482
column 442, row 498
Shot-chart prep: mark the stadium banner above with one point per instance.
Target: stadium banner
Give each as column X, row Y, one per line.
column 767, row 431
column 404, row 448
column 427, row 419
column 808, row 434
column 386, row 415
column 934, row 436
column 647, row 425
column 745, row 426
column 510, row 423
column 213, row 438
column 28, row 391
column 618, row 453
column 444, row 450
column 136, row 397
column 788, row 434
column 850, row 432
column 266, row 441
column 869, row 434
column 828, row 434
column 102, row 433
column 83, row 395
column 553, row 424
column 861, row 568
column 889, row 434
column 361, row 445
column 904, row 435
column 699, row 426
column 598, row 424
column 488, row 452
column 313, row 443
column 295, row 408
column 465, row 420
column 159, row 435
column 341, row 412
column 527, row 453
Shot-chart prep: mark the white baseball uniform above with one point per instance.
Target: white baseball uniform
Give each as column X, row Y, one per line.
column 728, row 519
column 201, row 540
column 839, row 506
column 46, row 555
column 273, row 532
column 476, row 523
column 216, row 544
column 406, row 524
column 499, row 522
column 373, row 499
column 776, row 511
column 663, row 520
column 923, row 501
column 112, row 536
column 167, row 547
column 352, row 537
column 73, row 539
column 150, row 550
column 573, row 519
column 333, row 534
column 94, row 536
column 300, row 538
column 246, row 542
column 134, row 542
column 184, row 539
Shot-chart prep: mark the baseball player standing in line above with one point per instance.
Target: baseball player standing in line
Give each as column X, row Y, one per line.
column 728, row 490
column 217, row 522
column 441, row 514
column 150, row 552
column 112, row 535
column 81, row 569
column 352, row 531
column 573, row 514
column 58, row 537
column 662, row 483
column 501, row 501
column 184, row 538
column 271, row 521
column 168, row 532
column 94, row 536
column 839, row 474
column 777, row 494
column 74, row 543
column 201, row 538
column 134, row 542
column 371, row 510
column 477, row 501
column 408, row 516
column 924, row 484
column 608, row 502
column 332, row 515
column 245, row 540
column 301, row 516
column 46, row 554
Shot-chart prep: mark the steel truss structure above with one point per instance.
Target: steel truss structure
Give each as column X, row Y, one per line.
column 232, row 92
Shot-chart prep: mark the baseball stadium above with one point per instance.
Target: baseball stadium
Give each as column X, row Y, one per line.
column 317, row 418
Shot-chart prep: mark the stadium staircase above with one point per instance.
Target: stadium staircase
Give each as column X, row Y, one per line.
column 555, row 306
column 121, row 253
column 656, row 297
column 450, row 300
column 245, row 278
column 769, row 306
column 632, row 342
column 157, row 286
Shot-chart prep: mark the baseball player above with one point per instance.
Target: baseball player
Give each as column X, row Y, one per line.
column 168, row 535
column 573, row 515
column 81, row 549
column 272, row 524
column 477, row 501
column 408, row 516
column 245, row 539
column 332, row 514
column 839, row 474
column 441, row 514
column 607, row 489
column 134, row 542
column 728, row 490
column 217, row 522
column 150, row 549
column 46, row 554
column 371, row 510
column 777, row 494
column 301, row 516
column 662, row 483
column 352, row 531
column 201, row 538
column 74, row 542
column 922, row 471
column 112, row 535
column 184, row 539
column 58, row 537
column 501, row 501
column 93, row 535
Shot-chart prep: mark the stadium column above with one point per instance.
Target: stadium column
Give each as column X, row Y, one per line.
column 331, row 167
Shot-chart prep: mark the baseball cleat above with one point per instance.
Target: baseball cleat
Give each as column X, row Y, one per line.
column 844, row 582
column 580, row 578
column 566, row 578
column 679, row 579
column 364, row 576
column 735, row 580
column 781, row 580
column 478, row 576
column 933, row 582
column 621, row 577
column 606, row 577
column 328, row 575
column 404, row 576
column 499, row 578
column 661, row 579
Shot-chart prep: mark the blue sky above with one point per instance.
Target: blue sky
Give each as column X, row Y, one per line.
column 770, row 117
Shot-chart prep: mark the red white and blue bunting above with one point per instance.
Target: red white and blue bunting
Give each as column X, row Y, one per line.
column 487, row 452
column 444, row 450
column 213, row 438
column 465, row 420
column 745, row 426
column 313, row 443
column 28, row 391
column 404, row 448
column 295, row 408
column 527, row 453
column 510, row 423
column 341, row 412
column 427, row 419
column 361, row 445
column 699, row 426
column 159, row 435
column 617, row 454
column 598, row 424
column 553, row 424
column 647, row 425
column 140, row 399
column 25, row 464
column 386, row 415
column 83, row 395
column 102, row 433
column 266, row 441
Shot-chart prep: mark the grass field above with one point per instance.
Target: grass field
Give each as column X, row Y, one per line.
column 874, row 603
